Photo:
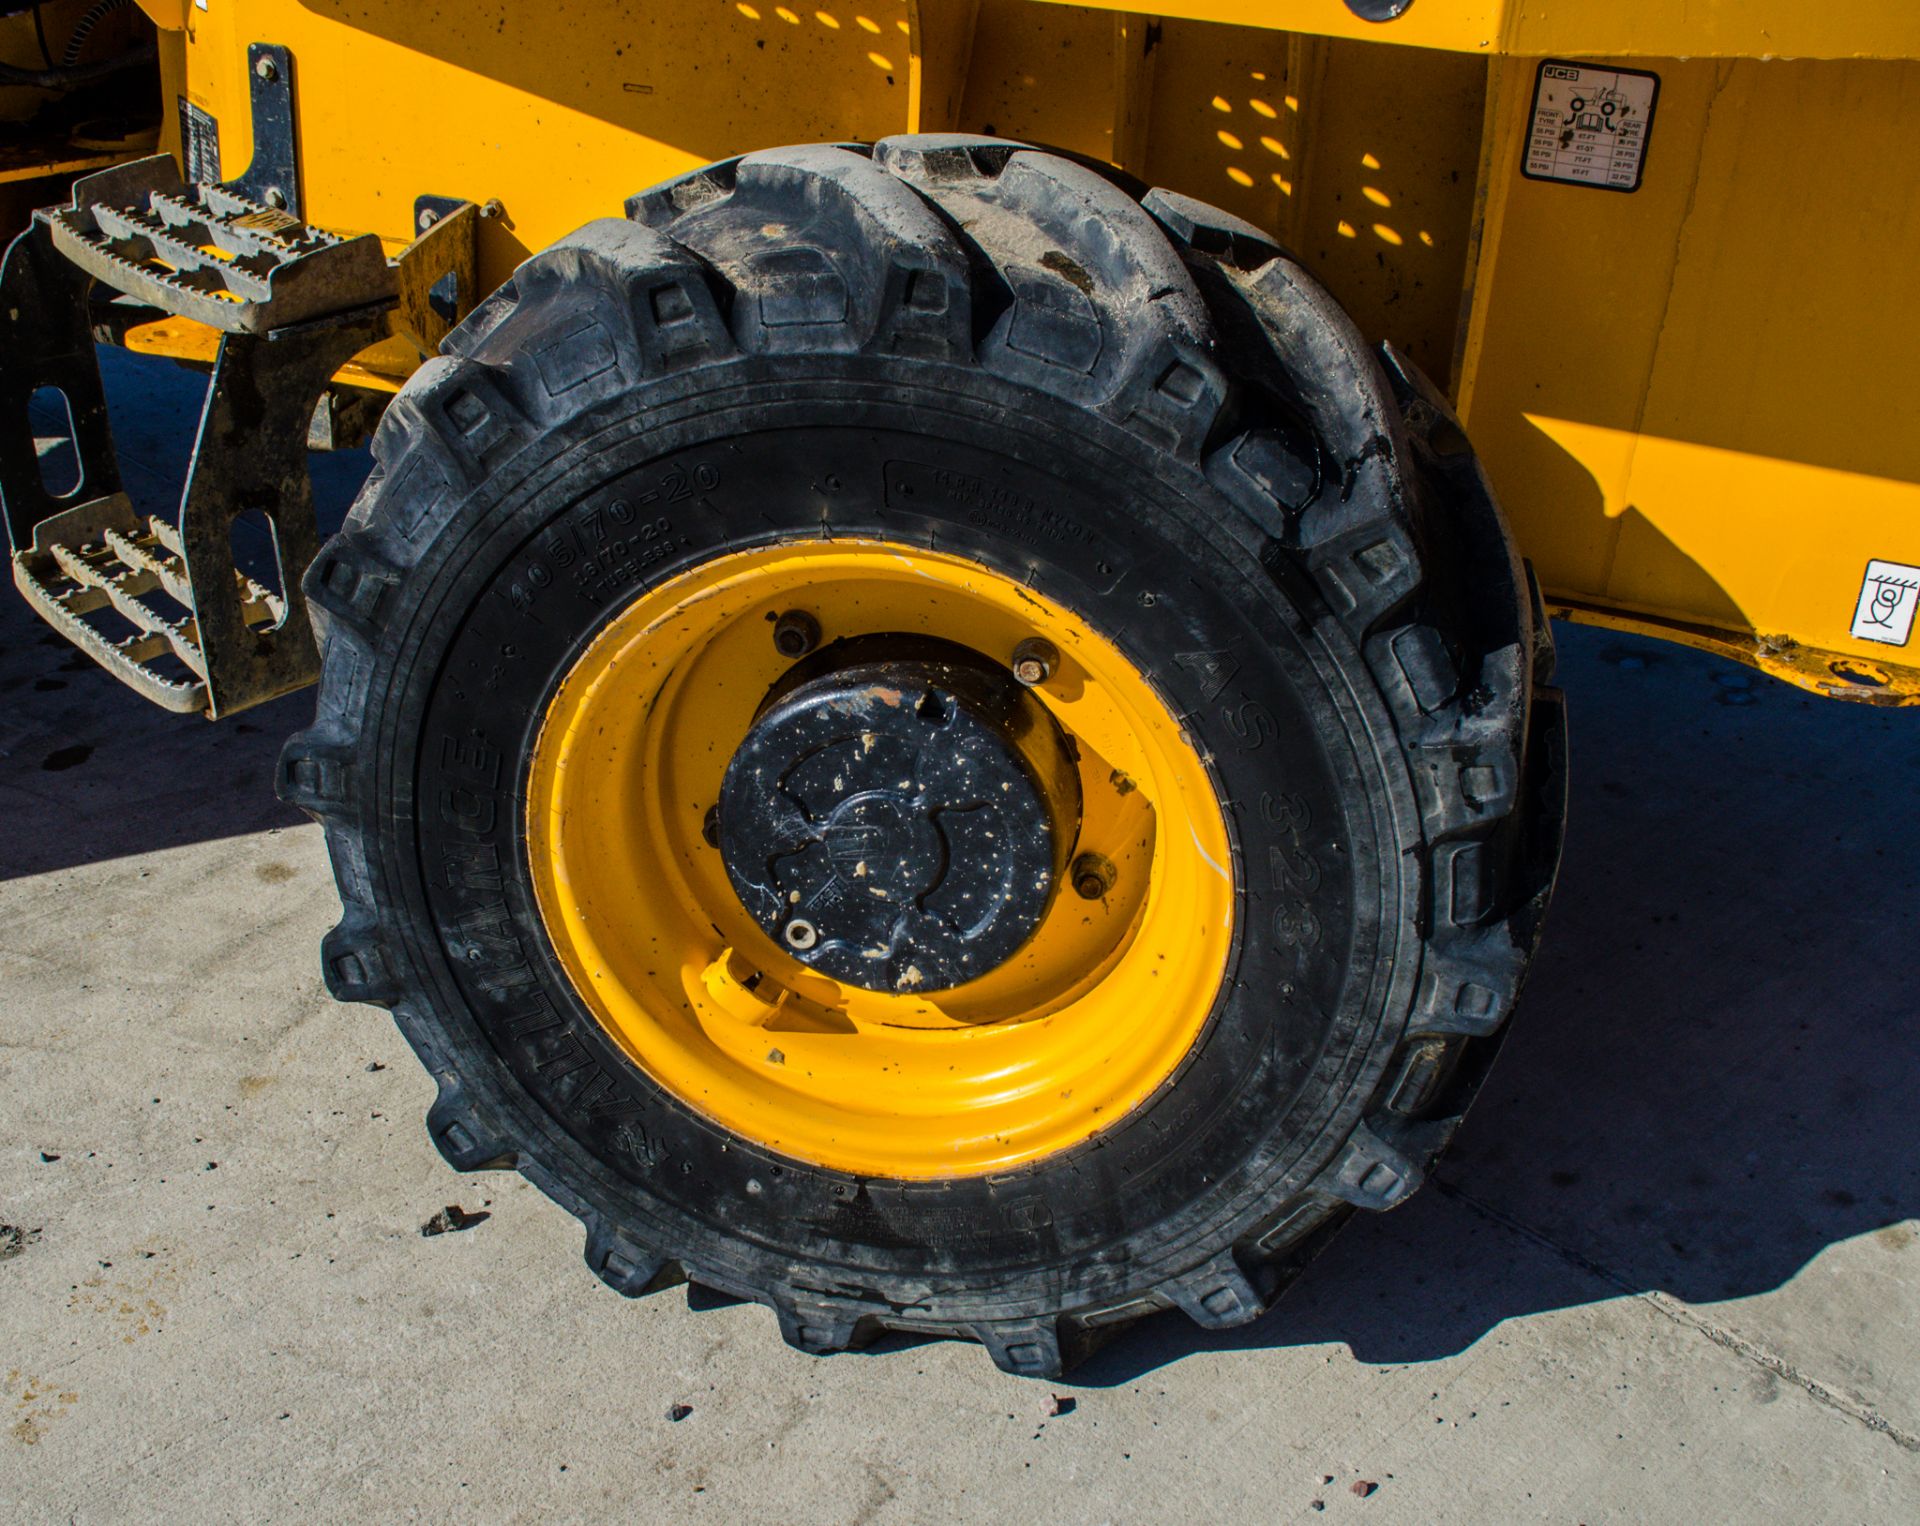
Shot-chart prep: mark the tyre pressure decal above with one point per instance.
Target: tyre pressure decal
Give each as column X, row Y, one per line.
column 1590, row 125
column 1888, row 595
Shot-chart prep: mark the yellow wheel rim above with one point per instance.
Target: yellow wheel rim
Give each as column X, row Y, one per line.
column 1092, row 1015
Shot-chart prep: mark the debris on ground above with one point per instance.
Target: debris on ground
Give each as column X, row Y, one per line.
column 452, row 1219
column 13, row 1240
column 1363, row 1487
column 1059, row 1404
column 678, row 1412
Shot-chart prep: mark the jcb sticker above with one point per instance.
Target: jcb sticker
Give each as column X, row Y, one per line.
column 1888, row 596
column 1590, row 125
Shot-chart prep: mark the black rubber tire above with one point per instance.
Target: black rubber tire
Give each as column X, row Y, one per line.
column 1152, row 413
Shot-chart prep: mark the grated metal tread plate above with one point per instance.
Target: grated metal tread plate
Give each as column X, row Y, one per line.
column 112, row 560
column 211, row 254
column 163, row 608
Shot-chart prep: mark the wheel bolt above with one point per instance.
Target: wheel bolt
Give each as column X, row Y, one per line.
column 710, row 827
column 1034, row 661
column 795, row 633
column 1093, row 875
column 802, row 934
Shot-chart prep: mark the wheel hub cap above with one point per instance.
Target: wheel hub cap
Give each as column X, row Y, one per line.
column 900, row 813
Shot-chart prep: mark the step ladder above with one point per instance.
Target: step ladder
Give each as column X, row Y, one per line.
column 161, row 604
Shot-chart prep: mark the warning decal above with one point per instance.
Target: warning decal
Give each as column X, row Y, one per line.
column 1888, row 596
column 1590, row 125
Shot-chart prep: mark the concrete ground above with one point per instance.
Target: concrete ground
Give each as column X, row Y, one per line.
column 1670, row 1272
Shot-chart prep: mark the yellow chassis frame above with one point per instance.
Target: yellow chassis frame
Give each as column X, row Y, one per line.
column 1693, row 398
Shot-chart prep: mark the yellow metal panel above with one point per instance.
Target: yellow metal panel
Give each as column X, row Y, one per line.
column 942, row 38
column 1461, row 25
column 558, row 112
column 1383, row 211
column 1617, row 28
column 1696, row 399
column 1714, row 28
column 1045, row 73
column 1691, row 397
column 65, row 160
column 1357, row 157
column 1136, row 50
column 1565, row 321
column 1225, row 124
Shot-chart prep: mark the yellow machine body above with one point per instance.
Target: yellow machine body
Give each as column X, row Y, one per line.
column 1691, row 394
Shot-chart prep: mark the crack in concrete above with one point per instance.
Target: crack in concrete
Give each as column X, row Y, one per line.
column 1685, row 1314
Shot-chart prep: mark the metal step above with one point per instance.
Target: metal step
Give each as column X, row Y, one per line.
column 165, row 609
column 93, row 574
column 211, row 254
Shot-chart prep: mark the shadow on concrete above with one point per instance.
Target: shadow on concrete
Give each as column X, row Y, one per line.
column 88, row 769
column 1711, row 1077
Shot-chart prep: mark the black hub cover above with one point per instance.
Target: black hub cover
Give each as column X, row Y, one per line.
column 900, row 813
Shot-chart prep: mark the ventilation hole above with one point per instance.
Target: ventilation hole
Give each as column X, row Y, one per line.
column 52, row 423
column 1862, row 673
column 256, row 553
column 444, row 297
column 933, row 708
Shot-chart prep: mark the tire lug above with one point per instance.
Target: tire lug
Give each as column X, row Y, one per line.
column 1093, row 875
column 1034, row 661
column 795, row 634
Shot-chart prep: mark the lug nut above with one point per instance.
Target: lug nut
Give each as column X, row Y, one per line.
column 710, row 827
column 802, row 934
column 1093, row 875
column 795, row 633
column 1034, row 661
